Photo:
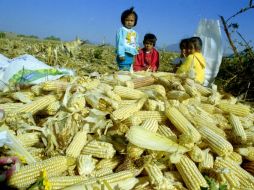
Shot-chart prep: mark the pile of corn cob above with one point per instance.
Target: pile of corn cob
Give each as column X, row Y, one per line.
column 128, row 131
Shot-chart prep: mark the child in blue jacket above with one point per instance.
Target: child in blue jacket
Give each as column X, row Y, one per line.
column 127, row 40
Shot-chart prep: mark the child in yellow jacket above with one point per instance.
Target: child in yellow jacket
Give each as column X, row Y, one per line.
column 194, row 65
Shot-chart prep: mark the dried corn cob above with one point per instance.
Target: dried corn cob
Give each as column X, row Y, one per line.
column 178, row 95
column 233, row 181
column 29, row 139
column 247, row 152
column 192, row 177
column 207, row 163
column 77, row 144
column 55, row 85
column 245, row 179
column 217, row 143
column 128, row 93
column 146, row 139
column 204, row 91
column 27, row 175
column 53, row 108
column 159, row 89
column 60, row 182
column 238, row 130
column 167, row 132
column 144, row 81
column 126, row 111
column 99, row 149
column 9, row 107
column 156, row 177
column 37, row 105
column 102, row 172
column 37, row 90
column 196, row 154
column 108, row 163
column 236, row 157
column 153, row 105
column 133, row 151
column 181, row 123
column 144, row 115
column 236, row 109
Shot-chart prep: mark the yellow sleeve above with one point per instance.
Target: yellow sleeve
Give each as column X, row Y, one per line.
column 186, row 65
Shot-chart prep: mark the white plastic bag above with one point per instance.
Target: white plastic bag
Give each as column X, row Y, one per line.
column 212, row 49
column 26, row 70
column 4, row 62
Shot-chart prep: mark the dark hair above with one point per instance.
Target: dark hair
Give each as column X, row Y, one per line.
column 196, row 42
column 126, row 13
column 150, row 38
column 183, row 43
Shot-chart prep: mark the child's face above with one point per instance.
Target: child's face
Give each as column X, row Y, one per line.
column 148, row 45
column 190, row 49
column 184, row 52
column 129, row 21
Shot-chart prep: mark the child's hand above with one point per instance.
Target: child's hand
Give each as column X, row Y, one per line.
column 121, row 58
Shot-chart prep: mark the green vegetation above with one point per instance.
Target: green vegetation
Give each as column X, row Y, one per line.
column 2, row 35
column 53, row 38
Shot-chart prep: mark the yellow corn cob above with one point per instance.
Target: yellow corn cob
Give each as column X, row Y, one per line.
column 101, row 172
column 127, row 111
column 60, row 182
column 144, row 81
column 37, row 153
column 91, row 84
column 128, row 93
column 115, row 177
column 236, row 157
column 217, row 143
column 53, row 108
column 25, row 97
column 246, row 122
column 207, row 163
column 203, row 90
column 159, row 89
column 37, row 105
column 247, row 152
column 222, row 121
column 156, row 177
column 99, row 149
column 192, row 177
column 238, row 130
column 209, row 108
column 8, row 107
column 196, row 154
column 167, row 132
column 245, row 179
column 133, row 151
column 126, row 102
column 108, row 163
column 113, row 95
column 153, row 105
column 236, row 109
column 181, row 123
column 191, row 90
column 178, row 95
column 29, row 139
column 144, row 138
column 233, row 181
column 77, row 144
column 36, row 89
column 171, row 85
column 28, row 174
column 211, row 125
column 55, row 85
column 144, row 115
column 249, row 137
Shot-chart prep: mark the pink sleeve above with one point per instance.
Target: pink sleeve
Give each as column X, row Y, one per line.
column 138, row 64
column 155, row 60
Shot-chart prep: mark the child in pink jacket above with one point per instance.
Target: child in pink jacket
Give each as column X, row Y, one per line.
column 148, row 56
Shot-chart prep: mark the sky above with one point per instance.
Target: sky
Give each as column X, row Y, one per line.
column 98, row 20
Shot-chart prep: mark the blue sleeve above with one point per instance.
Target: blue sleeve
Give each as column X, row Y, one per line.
column 120, row 37
column 137, row 38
